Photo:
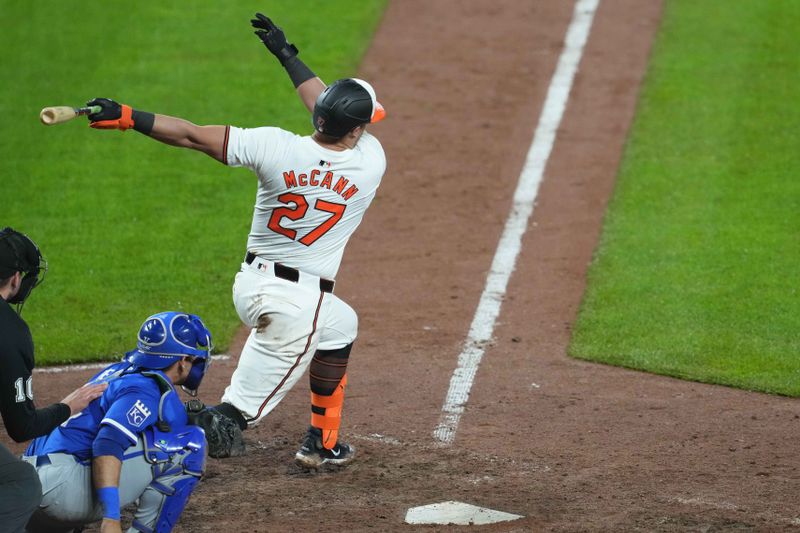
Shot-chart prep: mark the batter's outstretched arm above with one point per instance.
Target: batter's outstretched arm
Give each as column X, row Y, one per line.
column 169, row 130
column 309, row 91
column 308, row 85
column 179, row 132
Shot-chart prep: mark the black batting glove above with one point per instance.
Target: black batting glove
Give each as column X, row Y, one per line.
column 114, row 116
column 111, row 110
column 273, row 38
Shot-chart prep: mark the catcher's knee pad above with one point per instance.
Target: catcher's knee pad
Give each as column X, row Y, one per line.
column 176, row 493
column 194, row 461
column 326, row 413
column 180, row 450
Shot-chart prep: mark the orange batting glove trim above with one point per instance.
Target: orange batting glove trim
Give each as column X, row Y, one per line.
column 124, row 122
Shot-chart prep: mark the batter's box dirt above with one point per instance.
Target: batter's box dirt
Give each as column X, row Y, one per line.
column 704, row 524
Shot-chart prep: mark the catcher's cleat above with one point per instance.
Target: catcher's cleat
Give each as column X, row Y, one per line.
column 312, row 454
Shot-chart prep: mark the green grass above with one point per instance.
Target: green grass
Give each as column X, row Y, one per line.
column 696, row 273
column 130, row 226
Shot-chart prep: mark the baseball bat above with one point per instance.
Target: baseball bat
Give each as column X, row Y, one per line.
column 63, row 113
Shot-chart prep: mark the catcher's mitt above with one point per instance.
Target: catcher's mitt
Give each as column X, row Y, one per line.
column 223, row 434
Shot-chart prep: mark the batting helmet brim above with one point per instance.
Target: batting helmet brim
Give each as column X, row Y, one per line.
column 378, row 111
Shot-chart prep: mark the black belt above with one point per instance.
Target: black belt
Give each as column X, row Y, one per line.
column 291, row 274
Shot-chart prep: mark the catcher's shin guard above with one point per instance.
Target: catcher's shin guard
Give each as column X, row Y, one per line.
column 326, row 413
column 178, row 463
column 169, row 500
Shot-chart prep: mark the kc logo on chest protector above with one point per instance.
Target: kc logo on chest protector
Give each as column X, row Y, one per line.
column 138, row 414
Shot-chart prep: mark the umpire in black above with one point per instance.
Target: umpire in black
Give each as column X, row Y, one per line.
column 21, row 269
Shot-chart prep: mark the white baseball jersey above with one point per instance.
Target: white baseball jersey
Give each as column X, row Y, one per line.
column 310, row 199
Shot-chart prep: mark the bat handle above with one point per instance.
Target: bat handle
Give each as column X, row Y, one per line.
column 90, row 110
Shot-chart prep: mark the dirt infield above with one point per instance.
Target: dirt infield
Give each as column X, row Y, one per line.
column 569, row 445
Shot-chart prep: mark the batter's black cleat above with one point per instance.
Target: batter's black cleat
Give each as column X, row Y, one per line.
column 313, row 455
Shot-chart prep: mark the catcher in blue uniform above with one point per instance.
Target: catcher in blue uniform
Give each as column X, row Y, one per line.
column 134, row 443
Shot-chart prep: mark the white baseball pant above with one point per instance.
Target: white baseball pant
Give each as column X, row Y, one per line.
column 297, row 318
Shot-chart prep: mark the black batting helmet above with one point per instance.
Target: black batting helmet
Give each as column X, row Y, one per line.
column 345, row 104
column 18, row 253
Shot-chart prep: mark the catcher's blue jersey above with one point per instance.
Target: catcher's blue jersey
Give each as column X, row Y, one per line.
column 129, row 405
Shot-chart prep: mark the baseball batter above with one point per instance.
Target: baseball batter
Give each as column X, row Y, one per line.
column 312, row 194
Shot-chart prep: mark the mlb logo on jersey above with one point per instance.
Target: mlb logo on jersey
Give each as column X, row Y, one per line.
column 138, row 414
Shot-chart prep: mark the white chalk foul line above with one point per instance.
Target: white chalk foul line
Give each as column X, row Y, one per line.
column 505, row 257
column 97, row 366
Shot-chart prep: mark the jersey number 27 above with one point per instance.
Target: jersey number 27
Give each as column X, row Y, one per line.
column 298, row 211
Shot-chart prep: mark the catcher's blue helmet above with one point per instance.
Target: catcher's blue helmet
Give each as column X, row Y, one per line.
column 166, row 337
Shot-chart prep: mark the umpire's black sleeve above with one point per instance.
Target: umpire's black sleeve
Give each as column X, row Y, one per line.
column 20, row 416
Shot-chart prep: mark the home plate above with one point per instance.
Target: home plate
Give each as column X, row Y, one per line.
column 456, row 513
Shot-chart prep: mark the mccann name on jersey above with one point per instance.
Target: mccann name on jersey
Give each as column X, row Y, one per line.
column 341, row 185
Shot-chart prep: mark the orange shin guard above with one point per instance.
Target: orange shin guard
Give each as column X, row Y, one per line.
column 326, row 413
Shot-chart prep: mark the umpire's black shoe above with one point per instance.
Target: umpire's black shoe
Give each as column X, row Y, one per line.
column 312, row 454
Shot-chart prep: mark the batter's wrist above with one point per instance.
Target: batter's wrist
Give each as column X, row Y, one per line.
column 286, row 53
column 143, row 121
column 298, row 71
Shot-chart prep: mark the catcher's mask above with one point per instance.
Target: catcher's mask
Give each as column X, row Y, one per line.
column 18, row 253
column 166, row 338
column 345, row 104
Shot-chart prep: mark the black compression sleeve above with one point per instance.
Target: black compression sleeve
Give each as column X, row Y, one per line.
column 298, row 71
column 143, row 121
